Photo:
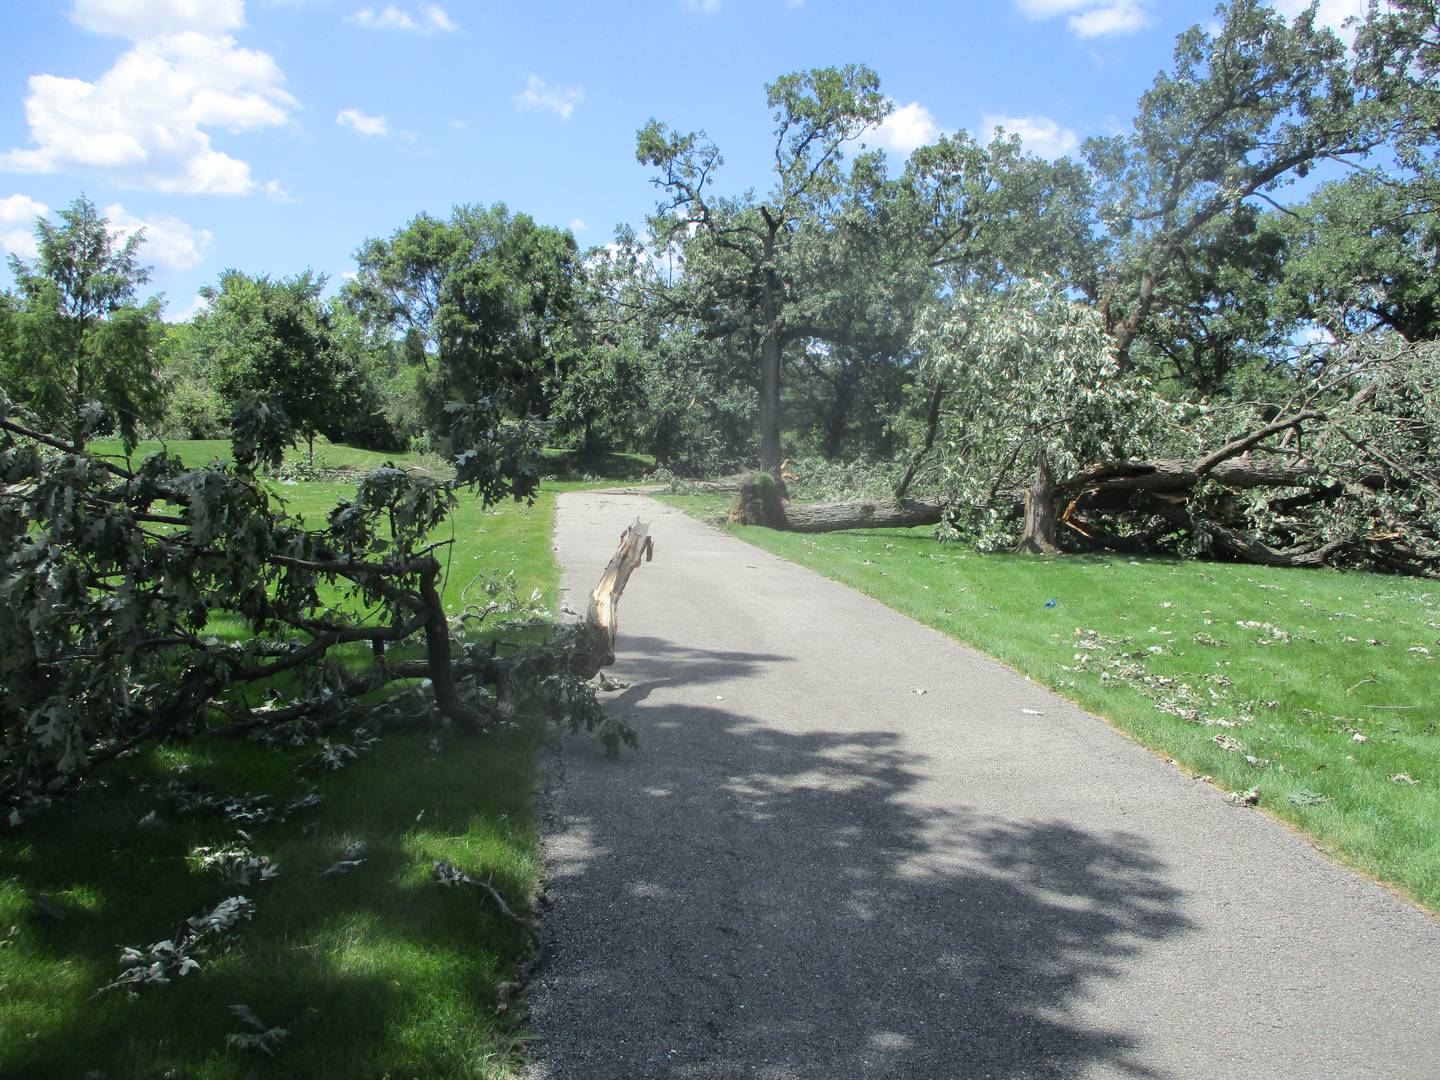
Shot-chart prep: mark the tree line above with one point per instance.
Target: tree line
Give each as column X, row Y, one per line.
column 1260, row 245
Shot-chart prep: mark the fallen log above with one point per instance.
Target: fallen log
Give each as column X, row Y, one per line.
column 865, row 514
column 1177, row 477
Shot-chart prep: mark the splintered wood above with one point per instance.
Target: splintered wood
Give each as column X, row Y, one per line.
column 636, row 546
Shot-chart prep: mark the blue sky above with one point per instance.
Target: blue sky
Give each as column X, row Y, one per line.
column 276, row 135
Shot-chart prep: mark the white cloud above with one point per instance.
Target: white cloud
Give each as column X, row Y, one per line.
column 704, row 7
column 1040, row 135
column 17, row 225
column 276, row 192
column 1092, row 18
column 426, row 19
column 1331, row 13
column 363, row 123
column 170, row 244
column 907, row 127
column 578, row 225
column 143, row 123
column 561, row 100
column 137, row 19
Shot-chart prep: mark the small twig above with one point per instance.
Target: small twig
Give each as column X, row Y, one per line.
column 446, row 873
column 1361, row 683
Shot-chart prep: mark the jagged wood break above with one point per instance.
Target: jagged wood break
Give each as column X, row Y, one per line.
column 636, row 546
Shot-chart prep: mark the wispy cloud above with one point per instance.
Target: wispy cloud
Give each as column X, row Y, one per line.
column 17, row 225
column 1040, row 135
column 363, row 123
column 1092, row 18
column 170, row 244
column 136, row 19
column 425, row 19
column 561, row 100
column 578, row 225
column 706, row 7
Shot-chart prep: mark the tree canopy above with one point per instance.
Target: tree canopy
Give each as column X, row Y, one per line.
column 79, row 335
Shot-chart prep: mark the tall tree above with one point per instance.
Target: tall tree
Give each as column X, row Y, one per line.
column 745, row 254
column 487, row 300
column 1241, row 113
column 1364, row 253
column 270, row 339
column 81, row 336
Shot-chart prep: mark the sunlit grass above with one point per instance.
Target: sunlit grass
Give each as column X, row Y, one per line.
column 1360, row 660
column 196, row 452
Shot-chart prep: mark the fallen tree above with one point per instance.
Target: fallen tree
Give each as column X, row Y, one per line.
column 1034, row 441
column 755, row 507
column 163, row 601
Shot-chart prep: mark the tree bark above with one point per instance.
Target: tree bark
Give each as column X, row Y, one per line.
column 865, row 514
column 932, row 425
column 601, row 616
column 770, row 349
column 1042, row 523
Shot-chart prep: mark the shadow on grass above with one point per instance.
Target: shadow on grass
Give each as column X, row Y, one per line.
column 739, row 901
column 379, row 970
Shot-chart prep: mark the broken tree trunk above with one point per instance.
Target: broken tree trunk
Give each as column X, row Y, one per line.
column 598, row 646
column 1042, row 522
column 864, row 514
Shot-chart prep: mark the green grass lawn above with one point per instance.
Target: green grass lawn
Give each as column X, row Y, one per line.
column 564, row 465
column 380, row 972
column 196, row 452
column 1320, row 689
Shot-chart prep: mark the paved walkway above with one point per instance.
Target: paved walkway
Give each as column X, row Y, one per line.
column 808, row 870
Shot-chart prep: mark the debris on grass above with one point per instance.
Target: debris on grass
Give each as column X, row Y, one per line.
column 350, row 860
column 334, row 755
column 161, row 963
column 1403, row 778
column 236, row 863
column 1306, row 797
column 260, row 1039
column 1244, row 798
column 241, row 809
column 1276, row 634
column 447, row 874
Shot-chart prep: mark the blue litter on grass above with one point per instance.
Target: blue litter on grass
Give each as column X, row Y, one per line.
column 1051, row 603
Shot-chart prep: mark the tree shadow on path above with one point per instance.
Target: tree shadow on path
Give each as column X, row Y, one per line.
column 742, row 901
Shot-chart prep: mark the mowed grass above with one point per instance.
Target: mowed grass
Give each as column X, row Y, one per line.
column 328, row 455
column 566, row 465
column 380, row 972
column 1335, row 703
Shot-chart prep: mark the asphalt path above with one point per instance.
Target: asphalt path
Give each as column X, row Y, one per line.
column 812, row 869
